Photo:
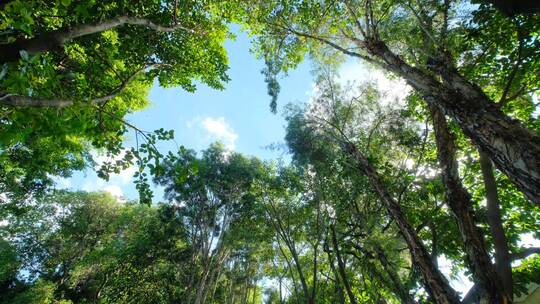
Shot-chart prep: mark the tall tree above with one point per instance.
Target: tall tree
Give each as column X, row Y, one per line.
column 212, row 194
column 333, row 119
column 383, row 33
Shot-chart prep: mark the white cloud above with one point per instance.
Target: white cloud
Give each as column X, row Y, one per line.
column 115, row 191
column 219, row 129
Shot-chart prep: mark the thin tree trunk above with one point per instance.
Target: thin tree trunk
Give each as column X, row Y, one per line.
column 372, row 269
column 336, row 276
column 500, row 243
column 280, row 229
column 316, row 255
column 341, row 267
column 460, row 203
column 394, row 277
column 254, row 293
column 280, row 291
column 300, row 272
column 435, row 282
column 246, row 293
column 434, row 246
column 289, row 267
column 201, row 288
column 231, row 291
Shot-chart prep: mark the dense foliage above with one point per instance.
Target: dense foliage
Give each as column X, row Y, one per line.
column 71, row 71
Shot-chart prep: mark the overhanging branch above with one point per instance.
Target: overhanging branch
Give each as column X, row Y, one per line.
column 54, row 39
column 15, row 100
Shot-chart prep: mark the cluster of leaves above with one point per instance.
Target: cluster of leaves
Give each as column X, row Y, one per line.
column 86, row 246
column 92, row 82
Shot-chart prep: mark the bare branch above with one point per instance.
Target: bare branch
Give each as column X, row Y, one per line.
column 524, row 253
column 87, row 29
column 333, row 45
column 515, row 69
column 14, row 100
column 356, row 19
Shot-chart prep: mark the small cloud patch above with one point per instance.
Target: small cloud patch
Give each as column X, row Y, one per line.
column 219, row 129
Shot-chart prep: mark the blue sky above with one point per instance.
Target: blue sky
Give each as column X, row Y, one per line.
column 239, row 116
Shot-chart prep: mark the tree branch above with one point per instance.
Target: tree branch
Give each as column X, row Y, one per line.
column 15, row 100
column 333, row 45
column 524, row 253
column 515, row 69
column 51, row 40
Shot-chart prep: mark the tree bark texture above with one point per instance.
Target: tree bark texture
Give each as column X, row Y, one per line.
column 341, row 267
column 500, row 243
column 55, row 39
column 514, row 149
column 435, row 282
column 460, row 203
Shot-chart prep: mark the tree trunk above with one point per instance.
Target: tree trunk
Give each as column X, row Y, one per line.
column 282, row 232
column 341, row 267
column 401, row 291
column 231, row 292
column 460, row 203
column 435, row 282
column 289, row 266
column 246, row 293
column 337, row 280
column 280, row 291
column 434, row 246
column 300, row 272
column 500, row 243
column 201, row 288
column 513, row 148
column 254, row 293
